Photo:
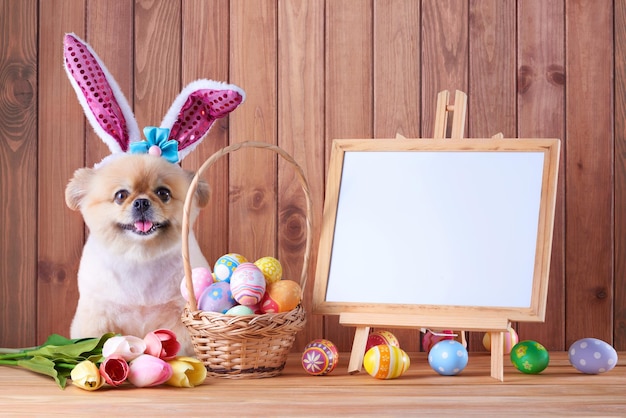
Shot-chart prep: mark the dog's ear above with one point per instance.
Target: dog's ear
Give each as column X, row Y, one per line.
column 203, row 191
column 77, row 187
column 196, row 108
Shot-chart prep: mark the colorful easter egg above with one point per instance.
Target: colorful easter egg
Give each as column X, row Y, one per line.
column 431, row 338
column 448, row 357
column 320, row 357
column 592, row 356
column 529, row 357
column 201, row 277
column 247, row 284
column 271, row 268
column 281, row 296
column 386, row 361
column 510, row 339
column 379, row 338
column 226, row 265
column 240, row 310
column 216, row 298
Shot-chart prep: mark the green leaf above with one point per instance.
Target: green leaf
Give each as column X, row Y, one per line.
column 72, row 349
column 45, row 366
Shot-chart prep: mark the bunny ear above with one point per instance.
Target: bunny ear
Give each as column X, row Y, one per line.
column 195, row 109
column 102, row 100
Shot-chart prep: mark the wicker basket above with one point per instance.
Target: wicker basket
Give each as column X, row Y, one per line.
column 243, row 346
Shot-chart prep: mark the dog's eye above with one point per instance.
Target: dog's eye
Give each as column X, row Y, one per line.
column 120, row 196
column 164, row 194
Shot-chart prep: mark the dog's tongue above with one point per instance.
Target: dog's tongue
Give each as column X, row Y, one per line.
column 143, row 226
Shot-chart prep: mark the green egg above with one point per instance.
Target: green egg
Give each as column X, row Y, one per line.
column 529, row 357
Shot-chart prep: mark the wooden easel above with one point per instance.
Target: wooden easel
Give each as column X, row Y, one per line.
column 496, row 326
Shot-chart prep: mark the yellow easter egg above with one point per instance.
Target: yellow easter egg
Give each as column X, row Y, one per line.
column 271, row 268
column 386, row 361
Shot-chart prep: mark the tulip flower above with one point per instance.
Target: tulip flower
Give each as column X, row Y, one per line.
column 114, row 369
column 127, row 346
column 187, row 372
column 86, row 376
column 162, row 343
column 147, row 370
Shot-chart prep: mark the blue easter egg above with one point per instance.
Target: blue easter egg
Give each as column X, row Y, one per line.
column 448, row 357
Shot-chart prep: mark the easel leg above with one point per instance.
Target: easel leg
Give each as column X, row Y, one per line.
column 497, row 355
column 358, row 349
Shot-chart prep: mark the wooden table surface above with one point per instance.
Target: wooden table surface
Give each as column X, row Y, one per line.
column 559, row 390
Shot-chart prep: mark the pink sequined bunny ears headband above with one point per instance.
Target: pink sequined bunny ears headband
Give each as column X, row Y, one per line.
column 184, row 126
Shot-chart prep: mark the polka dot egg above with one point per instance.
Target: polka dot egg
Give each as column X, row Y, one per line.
column 386, row 361
column 592, row 356
column 448, row 357
column 226, row 265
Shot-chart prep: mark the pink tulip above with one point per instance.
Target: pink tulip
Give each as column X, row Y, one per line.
column 147, row 370
column 127, row 346
column 114, row 369
column 162, row 343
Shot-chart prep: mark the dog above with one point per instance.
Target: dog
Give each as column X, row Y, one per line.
column 131, row 267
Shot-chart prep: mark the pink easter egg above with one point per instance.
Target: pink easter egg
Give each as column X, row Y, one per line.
column 247, row 284
column 430, row 338
column 381, row 337
column 201, row 278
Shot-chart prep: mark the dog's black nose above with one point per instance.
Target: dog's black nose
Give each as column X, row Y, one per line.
column 141, row 205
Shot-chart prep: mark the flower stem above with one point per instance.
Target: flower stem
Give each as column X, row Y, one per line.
column 8, row 362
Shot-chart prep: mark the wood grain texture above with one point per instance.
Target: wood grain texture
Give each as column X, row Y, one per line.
column 619, row 315
column 316, row 70
column 61, row 151
column 300, row 127
column 253, row 172
column 558, row 391
column 18, row 168
column 157, row 34
column 541, row 114
column 589, row 170
column 349, row 95
column 397, row 68
column 445, row 59
column 491, row 78
column 110, row 32
column 205, row 54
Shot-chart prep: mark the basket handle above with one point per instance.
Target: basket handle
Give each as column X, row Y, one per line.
column 193, row 303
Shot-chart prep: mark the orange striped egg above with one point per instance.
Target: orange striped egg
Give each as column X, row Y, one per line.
column 386, row 361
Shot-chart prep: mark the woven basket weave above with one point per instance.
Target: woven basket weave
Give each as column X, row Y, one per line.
column 243, row 346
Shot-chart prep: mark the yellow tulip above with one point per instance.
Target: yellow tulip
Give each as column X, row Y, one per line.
column 188, row 372
column 86, row 376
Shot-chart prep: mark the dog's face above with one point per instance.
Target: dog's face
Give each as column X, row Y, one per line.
column 133, row 204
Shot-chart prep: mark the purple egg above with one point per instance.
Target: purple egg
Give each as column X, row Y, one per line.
column 216, row 298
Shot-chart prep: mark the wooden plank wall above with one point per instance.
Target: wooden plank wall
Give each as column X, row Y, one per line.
column 316, row 70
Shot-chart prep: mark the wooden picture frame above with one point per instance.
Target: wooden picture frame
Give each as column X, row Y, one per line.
column 439, row 233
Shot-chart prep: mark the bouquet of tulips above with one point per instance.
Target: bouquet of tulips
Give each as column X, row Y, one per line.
column 111, row 359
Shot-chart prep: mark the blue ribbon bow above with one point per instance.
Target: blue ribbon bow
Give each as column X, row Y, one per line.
column 156, row 137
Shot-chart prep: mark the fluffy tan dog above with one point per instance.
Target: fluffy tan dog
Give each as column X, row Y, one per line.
column 131, row 267
column 132, row 202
